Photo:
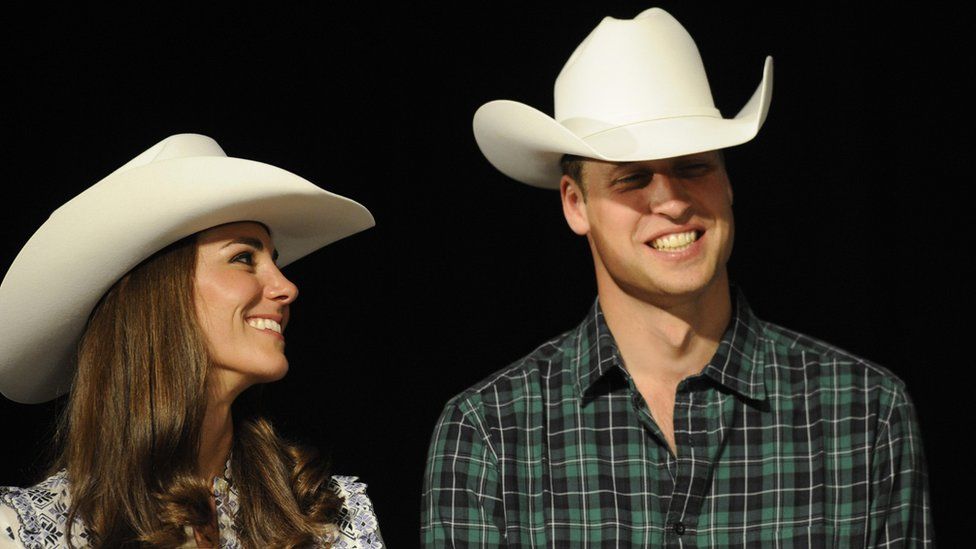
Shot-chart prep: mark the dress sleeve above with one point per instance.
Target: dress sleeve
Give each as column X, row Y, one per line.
column 8, row 527
column 461, row 503
column 358, row 526
column 900, row 512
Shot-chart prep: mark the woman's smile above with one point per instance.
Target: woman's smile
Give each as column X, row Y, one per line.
column 266, row 324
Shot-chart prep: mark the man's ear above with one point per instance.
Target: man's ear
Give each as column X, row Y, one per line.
column 574, row 205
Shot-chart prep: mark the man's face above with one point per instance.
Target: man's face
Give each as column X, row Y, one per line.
column 659, row 230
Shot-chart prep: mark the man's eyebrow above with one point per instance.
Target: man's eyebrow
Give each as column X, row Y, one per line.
column 252, row 242
column 625, row 168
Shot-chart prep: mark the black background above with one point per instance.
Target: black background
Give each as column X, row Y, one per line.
column 853, row 216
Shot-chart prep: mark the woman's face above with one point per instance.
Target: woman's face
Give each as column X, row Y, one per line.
column 242, row 304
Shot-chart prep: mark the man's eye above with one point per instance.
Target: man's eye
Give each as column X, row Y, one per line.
column 246, row 258
column 693, row 170
column 633, row 179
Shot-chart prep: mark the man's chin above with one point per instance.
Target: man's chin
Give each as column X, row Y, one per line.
column 677, row 288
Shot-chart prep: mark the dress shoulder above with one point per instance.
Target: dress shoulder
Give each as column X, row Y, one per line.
column 35, row 517
column 358, row 526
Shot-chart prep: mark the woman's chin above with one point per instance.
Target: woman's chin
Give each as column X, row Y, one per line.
column 270, row 375
column 235, row 379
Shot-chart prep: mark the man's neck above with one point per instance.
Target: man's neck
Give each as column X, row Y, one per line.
column 665, row 342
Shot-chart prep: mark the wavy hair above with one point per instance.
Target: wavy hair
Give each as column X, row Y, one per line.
column 129, row 436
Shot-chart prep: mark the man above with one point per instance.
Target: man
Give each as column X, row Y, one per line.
column 671, row 416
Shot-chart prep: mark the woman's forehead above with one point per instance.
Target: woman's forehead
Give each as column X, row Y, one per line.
column 235, row 231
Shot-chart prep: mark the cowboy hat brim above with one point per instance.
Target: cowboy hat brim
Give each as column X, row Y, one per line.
column 526, row 144
column 90, row 242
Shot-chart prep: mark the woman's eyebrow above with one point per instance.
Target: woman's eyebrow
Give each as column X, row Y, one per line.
column 246, row 240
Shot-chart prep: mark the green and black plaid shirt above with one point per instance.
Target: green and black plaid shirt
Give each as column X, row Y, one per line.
column 783, row 441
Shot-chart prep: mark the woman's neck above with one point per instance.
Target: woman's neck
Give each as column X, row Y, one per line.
column 215, row 440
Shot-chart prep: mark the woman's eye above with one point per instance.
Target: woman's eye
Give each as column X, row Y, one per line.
column 246, row 258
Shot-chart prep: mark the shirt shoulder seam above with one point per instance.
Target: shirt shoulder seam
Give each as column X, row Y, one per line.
column 776, row 334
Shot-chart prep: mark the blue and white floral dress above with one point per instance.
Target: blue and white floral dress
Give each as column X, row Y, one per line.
column 36, row 517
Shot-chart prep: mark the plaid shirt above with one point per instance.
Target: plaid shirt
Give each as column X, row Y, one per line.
column 782, row 441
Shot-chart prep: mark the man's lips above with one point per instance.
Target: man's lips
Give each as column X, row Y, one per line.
column 675, row 241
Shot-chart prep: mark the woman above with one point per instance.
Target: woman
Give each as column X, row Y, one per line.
column 156, row 297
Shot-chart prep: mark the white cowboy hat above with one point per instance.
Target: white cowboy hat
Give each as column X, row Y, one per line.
column 182, row 185
column 633, row 90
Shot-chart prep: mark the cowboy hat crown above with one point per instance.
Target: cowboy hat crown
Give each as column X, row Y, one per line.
column 633, row 90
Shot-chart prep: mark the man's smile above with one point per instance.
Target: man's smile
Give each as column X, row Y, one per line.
column 675, row 242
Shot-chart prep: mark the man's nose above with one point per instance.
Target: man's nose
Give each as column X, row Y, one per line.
column 667, row 196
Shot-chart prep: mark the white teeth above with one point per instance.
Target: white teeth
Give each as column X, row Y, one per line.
column 264, row 324
column 674, row 242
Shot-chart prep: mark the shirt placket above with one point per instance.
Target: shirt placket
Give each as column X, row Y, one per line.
column 698, row 434
column 659, row 480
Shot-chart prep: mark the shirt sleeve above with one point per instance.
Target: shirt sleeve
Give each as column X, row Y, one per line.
column 461, row 503
column 900, row 510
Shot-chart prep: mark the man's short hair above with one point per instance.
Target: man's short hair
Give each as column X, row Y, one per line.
column 572, row 166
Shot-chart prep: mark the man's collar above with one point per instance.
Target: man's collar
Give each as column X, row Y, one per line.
column 737, row 363
column 595, row 352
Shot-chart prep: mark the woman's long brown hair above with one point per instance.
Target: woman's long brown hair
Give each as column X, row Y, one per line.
column 130, row 434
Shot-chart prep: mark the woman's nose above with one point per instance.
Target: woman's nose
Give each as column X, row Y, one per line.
column 280, row 289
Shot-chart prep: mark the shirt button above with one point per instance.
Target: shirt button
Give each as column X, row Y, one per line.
column 679, row 528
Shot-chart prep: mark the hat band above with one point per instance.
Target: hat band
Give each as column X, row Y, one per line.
column 588, row 127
